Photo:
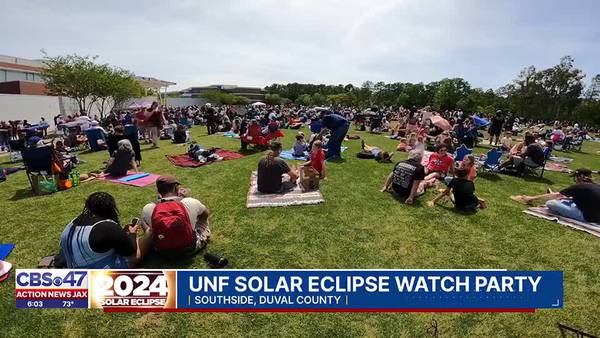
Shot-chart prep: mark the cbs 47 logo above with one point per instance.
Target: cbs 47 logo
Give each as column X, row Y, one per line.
column 123, row 284
column 44, row 278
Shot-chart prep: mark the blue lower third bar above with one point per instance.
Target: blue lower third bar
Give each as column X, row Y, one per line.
column 52, row 304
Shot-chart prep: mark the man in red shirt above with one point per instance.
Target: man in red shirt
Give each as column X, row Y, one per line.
column 439, row 165
column 154, row 123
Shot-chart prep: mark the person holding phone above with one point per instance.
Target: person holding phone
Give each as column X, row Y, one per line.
column 96, row 240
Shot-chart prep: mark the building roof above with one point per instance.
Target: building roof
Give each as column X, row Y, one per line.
column 19, row 67
column 37, row 66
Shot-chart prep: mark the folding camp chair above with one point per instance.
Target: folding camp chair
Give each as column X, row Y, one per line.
column 461, row 152
column 15, row 149
column 530, row 170
column 492, row 161
column 38, row 163
column 94, row 137
column 575, row 144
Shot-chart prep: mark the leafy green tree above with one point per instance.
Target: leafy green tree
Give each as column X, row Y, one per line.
column 318, row 99
column 88, row 83
column 588, row 112
column 72, row 76
column 593, row 90
column 304, row 99
column 550, row 93
column 273, row 99
column 450, row 92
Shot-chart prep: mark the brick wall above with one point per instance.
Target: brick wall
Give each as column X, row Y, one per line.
column 22, row 87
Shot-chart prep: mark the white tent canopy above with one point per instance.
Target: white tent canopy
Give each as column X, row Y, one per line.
column 258, row 104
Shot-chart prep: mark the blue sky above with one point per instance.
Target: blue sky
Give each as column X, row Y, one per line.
column 262, row 42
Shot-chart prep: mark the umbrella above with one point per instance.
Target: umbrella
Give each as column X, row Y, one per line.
column 258, row 104
column 441, row 122
column 480, row 121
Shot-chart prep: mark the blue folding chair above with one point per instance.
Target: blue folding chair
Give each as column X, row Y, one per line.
column 461, row 152
column 492, row 162
column 94, row 136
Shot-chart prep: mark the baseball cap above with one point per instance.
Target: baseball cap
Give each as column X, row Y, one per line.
column 582, row 172
column 165, row 182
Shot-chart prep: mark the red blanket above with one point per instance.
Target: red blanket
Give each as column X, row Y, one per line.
column 184, row 160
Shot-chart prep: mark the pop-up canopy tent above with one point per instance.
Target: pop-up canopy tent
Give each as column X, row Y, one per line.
column 258, row 104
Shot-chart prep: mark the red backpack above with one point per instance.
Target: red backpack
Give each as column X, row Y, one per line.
column 171, row 226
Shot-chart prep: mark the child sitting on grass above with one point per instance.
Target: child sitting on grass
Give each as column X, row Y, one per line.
column 463, row 191
column 402, row 145
column 300, row 146
column 317, row 159
column 468, row 163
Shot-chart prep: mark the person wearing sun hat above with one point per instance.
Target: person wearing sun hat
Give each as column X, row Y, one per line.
column 580, row 201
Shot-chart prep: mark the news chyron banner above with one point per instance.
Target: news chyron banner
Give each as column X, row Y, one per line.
column 291, row 290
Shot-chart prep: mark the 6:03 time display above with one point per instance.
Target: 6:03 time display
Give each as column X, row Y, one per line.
column 35, row 303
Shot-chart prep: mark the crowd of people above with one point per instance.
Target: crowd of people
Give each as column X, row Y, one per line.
column 178, row 225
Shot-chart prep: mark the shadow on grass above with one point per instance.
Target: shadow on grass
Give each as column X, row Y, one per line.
column 23, row 194
column 251, row 151
column 148, row 149
column 337, row 160
column 544, row 180
column 529, row 177
column 458, row 211
column 417, row 202
column 89, row 151
column 490, row 176
column 155, row 261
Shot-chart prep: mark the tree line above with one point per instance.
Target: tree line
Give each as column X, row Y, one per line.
column 557, row 92
column 89, row 83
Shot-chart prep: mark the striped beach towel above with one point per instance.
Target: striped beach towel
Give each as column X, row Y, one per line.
column 256, row 199
column 545, row 213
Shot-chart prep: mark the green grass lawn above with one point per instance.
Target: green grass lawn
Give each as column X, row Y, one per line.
column 357, row 227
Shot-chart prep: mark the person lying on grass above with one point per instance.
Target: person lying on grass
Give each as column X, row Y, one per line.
column 580, row 201
column 317, row 159
column 438, row 167
column 96, row 240
column 463, row 191
column 406, row 177
column 376, row 153
column 271, row 172
column 121, row 160
column 177, row 225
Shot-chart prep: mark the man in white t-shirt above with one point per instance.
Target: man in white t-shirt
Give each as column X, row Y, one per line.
column 84, row 122
column 169, row 190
